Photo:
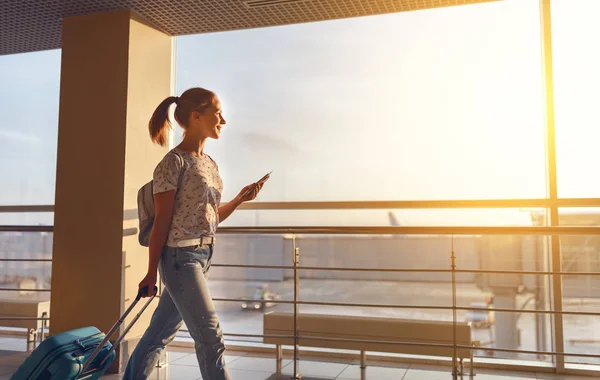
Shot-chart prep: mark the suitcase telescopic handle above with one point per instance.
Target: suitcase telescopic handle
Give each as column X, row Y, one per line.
column 141, row 293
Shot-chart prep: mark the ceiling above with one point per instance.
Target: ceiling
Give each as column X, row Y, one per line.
column 33, row 25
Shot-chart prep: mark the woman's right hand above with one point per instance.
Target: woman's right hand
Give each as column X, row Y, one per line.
column 149, row 282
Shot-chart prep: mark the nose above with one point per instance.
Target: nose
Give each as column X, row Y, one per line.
column 223, row 121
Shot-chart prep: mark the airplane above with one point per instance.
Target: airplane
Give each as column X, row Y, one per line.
column 394, row 222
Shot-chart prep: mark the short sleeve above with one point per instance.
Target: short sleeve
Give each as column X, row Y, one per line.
column 166, row 174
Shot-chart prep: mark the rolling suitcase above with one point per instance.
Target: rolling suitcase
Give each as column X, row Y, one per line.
column 83, row 353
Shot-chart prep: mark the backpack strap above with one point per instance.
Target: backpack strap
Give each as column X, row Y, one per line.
column 183, row 165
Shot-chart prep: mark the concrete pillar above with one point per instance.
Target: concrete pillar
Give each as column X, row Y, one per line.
column 115, row 70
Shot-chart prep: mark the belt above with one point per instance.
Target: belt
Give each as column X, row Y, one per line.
column 204, row 240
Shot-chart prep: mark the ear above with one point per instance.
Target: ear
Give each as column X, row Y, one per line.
column 195, row 115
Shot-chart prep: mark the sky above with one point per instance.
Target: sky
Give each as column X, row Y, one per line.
column 436, row 104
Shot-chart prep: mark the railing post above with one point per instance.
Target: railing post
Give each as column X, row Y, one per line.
column 455, row 349
column 279, row 359
column 44, row 324
column 363, row 365
column 296, row 258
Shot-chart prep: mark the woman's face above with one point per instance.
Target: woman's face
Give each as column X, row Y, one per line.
column 208, row 122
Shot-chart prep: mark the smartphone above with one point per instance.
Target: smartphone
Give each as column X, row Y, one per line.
column 264, row 179
column 260, row 181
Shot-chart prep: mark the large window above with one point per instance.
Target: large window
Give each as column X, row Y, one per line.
column 28, row 132
column 28, row 138
column 440, row 104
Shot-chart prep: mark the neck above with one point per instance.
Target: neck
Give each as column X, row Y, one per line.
column 193, row 144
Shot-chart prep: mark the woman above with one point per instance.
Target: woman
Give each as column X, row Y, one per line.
column 187, row 195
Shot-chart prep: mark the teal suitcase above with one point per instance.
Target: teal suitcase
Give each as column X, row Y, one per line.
column 83, row 353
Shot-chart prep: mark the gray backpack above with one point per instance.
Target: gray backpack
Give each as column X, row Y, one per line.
column 145, row 201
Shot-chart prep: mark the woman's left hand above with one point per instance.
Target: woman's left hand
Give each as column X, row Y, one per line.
column 249, row 192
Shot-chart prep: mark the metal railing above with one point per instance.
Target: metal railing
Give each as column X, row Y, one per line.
column 449, row 231
column 45, row 319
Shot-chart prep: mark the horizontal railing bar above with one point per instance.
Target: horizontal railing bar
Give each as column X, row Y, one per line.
column 23, row 319
column 415, row 230
column 255, row 335
column 502, row 310
column 416, row 270
column 405, row 204
column 22, row 228
column 448, row 345
column 420, row 307
column 384, row 270
column 328, row 268
column 350, row 269
column 526, row 272
column 26, row 208
column 368, row 230
column 24, row 290
column 441, row 270
column 377, row 270
column 424, row 204
column 291, row 302
column 252, row 266
column 26, row 260
column 251, row 300
column 443, row 345
column 528, row 351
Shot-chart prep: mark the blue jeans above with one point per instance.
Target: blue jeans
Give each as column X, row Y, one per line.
column 186, row 298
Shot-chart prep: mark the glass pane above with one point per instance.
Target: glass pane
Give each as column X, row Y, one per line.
column 29, row 128
column 24, row 283
column 25, row 274
column 370, row 290
column 576, row 82
column 522, row 329
column 581, row 254
column 346, row 109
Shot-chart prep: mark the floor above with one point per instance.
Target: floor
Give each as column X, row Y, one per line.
column 182, row 365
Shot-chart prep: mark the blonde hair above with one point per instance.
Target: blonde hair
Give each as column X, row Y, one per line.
column 194, row 99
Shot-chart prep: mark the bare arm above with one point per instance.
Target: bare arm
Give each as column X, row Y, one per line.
column 163, row 205
column 228, row 208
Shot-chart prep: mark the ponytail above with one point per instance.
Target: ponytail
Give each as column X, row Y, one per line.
column 160, row 124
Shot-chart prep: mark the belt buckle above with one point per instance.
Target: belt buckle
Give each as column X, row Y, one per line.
column 206, row 240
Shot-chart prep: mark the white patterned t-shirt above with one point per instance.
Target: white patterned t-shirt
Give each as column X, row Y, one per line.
column 195, row 212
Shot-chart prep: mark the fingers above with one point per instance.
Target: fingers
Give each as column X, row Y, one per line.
column 257, row 190
column 147, row 289
column 254, row 193
column 251, row 191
